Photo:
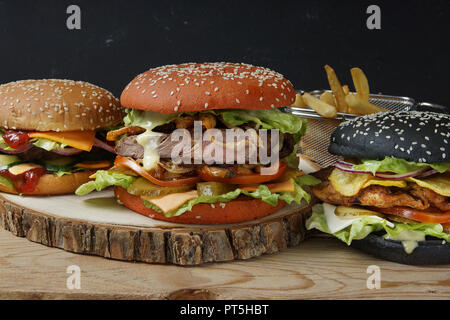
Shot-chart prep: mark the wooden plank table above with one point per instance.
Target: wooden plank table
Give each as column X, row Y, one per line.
column 319, row 268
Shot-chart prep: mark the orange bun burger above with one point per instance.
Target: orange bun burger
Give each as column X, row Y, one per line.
column 207, row 178
column 53, row 134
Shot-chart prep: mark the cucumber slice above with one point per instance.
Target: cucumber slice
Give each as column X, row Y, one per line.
column 6, row 160
column 6, row 182
column 59, row 164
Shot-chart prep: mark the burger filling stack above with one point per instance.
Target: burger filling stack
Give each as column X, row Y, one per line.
column 175, row 158
column 53, row 134
column 393, row 179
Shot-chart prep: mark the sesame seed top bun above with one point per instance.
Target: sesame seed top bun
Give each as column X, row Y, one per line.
column 57, row 105
column 206, row 86
column 413, row 136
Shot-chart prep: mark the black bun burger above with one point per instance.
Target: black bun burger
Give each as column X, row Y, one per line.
column 52, row 134
column 392, row 187
column 215, row 97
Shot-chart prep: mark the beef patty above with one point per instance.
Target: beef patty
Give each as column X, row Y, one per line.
column 129, row 147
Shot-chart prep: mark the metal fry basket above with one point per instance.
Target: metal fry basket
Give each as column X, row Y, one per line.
column 317, row 138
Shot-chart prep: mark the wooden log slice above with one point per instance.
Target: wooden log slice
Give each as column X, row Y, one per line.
column 97, row 225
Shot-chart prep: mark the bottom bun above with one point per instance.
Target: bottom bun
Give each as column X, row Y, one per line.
column 429, row 252
column 204, row 213
column 52, row 184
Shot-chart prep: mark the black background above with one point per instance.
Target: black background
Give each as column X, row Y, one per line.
column 409, row 56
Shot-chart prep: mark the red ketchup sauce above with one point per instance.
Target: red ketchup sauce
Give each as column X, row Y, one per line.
column 16, row 139
column 25, row 182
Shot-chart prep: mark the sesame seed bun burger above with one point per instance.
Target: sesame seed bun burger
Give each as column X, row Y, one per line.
column 53, row 134
column 203, row 186
column 392, row 187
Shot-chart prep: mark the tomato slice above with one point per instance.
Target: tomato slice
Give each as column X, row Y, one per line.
column 244, row 179
column 129, row 163
column 427, row 216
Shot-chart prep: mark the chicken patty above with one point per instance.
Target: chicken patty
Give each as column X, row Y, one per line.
column 414, row 196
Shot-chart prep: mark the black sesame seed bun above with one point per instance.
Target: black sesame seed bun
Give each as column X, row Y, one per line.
column 57, row 105
column 206, row 86
column 413, row 136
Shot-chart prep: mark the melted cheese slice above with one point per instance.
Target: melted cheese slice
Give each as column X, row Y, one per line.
column 439, row 183
column 336, row 223
column 23, row 167
column 386, row 183
column 93, row 164
column 350, row 184
column 285, row 186
column 172, row 201
column 83, row 140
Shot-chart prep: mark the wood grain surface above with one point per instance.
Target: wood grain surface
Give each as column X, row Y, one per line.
column 84, row 225
column 319, row 268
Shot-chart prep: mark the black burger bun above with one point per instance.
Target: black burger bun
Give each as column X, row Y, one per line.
column 410, row 135
column 429, row 252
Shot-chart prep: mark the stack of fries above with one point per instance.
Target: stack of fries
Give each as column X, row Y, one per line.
column 340, row 99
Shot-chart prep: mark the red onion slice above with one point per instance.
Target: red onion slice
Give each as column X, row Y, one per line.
column 16, row 151
column 428, row 173
column 400, row 176
column 383, row 175
column 67, row 151
column 344, row 164
column 349, row 169
column 100, row 144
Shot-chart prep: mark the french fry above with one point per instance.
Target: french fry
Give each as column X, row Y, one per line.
column 328, row 97
column 361, row 107
column 346, row 89
column 361, row 84
column 299, row 103
column 324, row 109
column 336, row 87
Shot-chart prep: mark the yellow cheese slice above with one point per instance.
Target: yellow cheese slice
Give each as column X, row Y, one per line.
column 172, row 201
column 438, row 183
column 82, row 140
column 23, row 167
column 386, row 183
column 285, row 186
column 93, row 164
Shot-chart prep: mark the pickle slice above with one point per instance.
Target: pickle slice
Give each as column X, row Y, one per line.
column 352, row 212
column 214, row 188
column 143, row 187
column 401, row 219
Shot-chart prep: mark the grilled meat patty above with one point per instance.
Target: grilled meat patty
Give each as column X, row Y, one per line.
column 129, row 147
column 413, row 196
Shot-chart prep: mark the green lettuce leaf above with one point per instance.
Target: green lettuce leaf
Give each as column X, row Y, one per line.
column 147, row 119
column 104, row 179
column 62, row 172
column 47, row 144
column 399, row 166
column 267, row 119
column 366, row 225
column 262, row 193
